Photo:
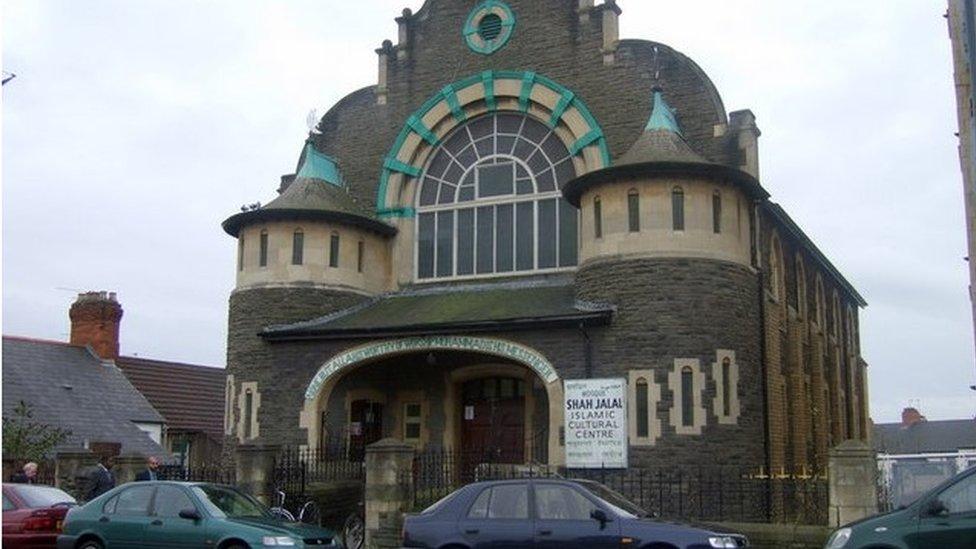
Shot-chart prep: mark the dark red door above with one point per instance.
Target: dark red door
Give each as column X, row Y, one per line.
column 365, row 427
column 492, row 423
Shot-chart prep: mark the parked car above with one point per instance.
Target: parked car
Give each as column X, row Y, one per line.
column 32, row 515
column 944, row 517
column 548, row 514
column 182, row 514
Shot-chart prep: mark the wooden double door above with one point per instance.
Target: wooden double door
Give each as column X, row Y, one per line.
column 492, row 421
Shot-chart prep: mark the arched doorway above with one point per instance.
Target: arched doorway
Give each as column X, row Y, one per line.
column 495, row 398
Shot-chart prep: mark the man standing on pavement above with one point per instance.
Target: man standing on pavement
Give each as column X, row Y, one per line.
column 28, row 476
column 102, row 480
column 152, row 465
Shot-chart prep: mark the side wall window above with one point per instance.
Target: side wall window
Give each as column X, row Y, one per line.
column 334, row 250
column 360, row 252
column 642, row 415
column 686, row 383
column 678, row 209
column 263, row 252
column 633, row 211
column 597, row 218
column 240, row 253
column 298, row 247
column 717, row 212
column 248, row 404
column 725, row 374
column 248, row 413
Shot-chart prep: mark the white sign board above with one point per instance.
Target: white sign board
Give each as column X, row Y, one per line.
column 596, row 423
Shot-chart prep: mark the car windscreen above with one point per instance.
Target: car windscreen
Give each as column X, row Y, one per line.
column 223, row 502
column 619, row 504
column 43, row 496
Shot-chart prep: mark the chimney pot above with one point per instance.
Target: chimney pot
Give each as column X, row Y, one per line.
column 910, row 416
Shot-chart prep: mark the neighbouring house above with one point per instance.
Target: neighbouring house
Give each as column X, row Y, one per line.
column 917, row 454
column 111, row 403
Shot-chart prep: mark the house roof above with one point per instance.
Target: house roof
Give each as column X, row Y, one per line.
column 925, row 437
column 189, row 396
column 68, row 386
column 479, row 307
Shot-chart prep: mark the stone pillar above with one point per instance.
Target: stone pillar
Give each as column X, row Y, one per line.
column 853, row 488
column 382, row 83
column 743, row 123
column 127, row 466
column 389, row 491
column 255, row 470
column 71, row 470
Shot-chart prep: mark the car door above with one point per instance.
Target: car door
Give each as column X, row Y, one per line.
column 125, row 517
column 167, row 528
column 563, row 519
column 948, row 520
column 14, row 514
column 498, row 518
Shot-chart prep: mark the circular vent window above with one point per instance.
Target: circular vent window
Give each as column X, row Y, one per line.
column 489, row 27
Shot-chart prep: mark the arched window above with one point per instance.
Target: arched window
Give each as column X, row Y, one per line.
column 298, row 247
column 248, row 413
column 240, row 253
column 263, row 252
column 820, row 302
column 717, row 212
column 776, row 281
column 835, row 314
column 687, row 397
column 633, row 211
column 360, row 252
column 678, row 209
column 334, row 250
column 643, row 418
column 490, row 201
column 726, row 386
column 801, row 287
column 597, row 218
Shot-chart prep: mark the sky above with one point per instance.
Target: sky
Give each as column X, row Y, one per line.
column 133, row 129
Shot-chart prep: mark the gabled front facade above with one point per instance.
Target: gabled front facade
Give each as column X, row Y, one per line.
column 521, row 200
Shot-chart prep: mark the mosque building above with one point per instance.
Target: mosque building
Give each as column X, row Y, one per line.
column 521, row 200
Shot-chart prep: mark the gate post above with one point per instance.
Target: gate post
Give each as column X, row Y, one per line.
column 853, row 485
column 71, row 468
column 255, row 471
column 389, row 491
column 127, row 466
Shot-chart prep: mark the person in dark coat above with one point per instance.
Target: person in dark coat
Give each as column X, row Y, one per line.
column 101, row 480
column 150, row 473
column 27, row 476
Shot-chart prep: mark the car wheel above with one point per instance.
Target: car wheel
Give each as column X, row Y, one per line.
column 354, row 532
column 91, row 544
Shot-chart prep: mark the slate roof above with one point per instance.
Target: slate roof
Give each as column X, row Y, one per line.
column 70, row 387
column 455, row 309
column 925, row 437
column 190, row 397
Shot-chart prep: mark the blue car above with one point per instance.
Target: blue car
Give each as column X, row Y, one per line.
column 544, row 514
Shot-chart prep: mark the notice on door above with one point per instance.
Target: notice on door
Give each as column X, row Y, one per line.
column 596, row 423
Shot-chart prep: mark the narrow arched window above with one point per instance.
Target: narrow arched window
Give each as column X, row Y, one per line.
column 678, row 209
column 801, row 287
column 717, row 212
column 597, row 218
column 360, row 252
column 263, row 252
column 820, row 304
column 248, row 413
column 687, row 397
column 334, row 250
column 776, row 279
column 297, row 247
column 726, row 387
column 633, row 211
column 643, row 417
column 835, row 313
column 240, row 253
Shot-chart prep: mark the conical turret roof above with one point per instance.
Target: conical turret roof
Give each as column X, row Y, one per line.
column 661, row 150
column 317, row 192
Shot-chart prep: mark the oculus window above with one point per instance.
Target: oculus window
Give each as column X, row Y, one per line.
column 490, row 201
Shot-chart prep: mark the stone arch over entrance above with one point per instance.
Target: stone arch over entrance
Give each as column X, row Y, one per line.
column 320, row 388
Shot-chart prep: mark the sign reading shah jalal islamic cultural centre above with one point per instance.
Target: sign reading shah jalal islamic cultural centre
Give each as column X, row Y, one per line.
column 596, row 423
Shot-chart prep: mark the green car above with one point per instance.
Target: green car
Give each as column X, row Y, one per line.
column 183, row 514
column 943, row 518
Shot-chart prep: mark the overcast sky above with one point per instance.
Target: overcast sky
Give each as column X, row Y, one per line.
column 134, row 128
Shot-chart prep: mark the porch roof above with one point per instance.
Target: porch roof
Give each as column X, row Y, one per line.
column 452, row 309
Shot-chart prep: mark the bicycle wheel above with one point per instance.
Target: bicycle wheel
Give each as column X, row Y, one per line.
column 310, row 513
column 354, row 532
column 283, row 514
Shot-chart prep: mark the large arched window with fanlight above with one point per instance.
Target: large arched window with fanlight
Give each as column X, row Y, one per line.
column 490, row 201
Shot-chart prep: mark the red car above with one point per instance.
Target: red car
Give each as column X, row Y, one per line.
column 33, row 514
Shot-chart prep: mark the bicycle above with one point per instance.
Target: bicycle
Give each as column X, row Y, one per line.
column 309, row 512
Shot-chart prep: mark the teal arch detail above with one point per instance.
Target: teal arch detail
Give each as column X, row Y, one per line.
column 470, row 30
column 448, row 95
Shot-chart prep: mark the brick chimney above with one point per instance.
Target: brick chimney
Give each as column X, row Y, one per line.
column 911, row 416
column 95, row 319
